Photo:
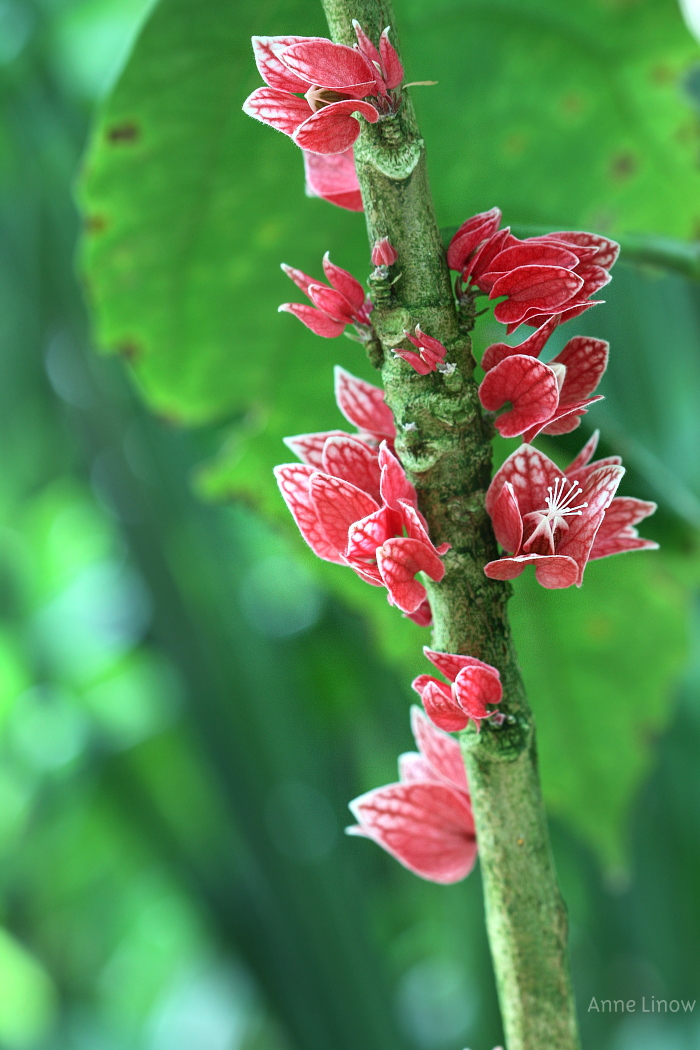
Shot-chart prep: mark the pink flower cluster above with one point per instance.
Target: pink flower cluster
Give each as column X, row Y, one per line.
column 430, row 356
column 560, row 520
column 474, row 686
column 425, row 820
column 334, row 82
column 354, row 504
column 334, row 307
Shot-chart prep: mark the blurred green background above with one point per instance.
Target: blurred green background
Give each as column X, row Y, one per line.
column 187, row 699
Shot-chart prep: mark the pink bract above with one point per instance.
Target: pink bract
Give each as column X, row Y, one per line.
column 425, row 820
column 474, row 686
column 430, row 356
column 335, row 305
column 334, row 179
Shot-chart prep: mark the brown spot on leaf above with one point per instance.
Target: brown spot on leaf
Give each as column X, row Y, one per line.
column 130, row 350
column 95, row 223
column 127, row 131
column 624, row 165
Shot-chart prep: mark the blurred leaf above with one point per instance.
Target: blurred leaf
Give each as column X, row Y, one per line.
column 27, row 999
column 601, row 665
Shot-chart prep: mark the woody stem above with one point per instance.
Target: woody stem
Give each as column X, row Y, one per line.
column 448, row 456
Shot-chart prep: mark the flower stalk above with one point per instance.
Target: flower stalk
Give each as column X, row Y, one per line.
column 443, row 441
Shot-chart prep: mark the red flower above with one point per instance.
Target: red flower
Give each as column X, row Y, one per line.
column 552, row 518
column 334, row 179
column 425, row 821
column 430, row 356
column 547, row 398
column 333, row 78
column 355, row 506
column 540, row 276
column 334, row 308
column 474, row 685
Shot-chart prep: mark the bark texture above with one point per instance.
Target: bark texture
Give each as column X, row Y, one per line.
column 444, row 442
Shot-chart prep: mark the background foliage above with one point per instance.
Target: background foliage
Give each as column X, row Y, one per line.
column 187, row 701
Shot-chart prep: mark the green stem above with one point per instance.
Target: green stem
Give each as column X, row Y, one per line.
column 445, row 444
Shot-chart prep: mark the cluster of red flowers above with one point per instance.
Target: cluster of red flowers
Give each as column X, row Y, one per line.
column 350, row 495
column 354, row 504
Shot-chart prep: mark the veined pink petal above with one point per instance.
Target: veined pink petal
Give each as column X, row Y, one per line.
column 351, row 460
column 333, row 178
column 331, row 303
column 470, row 235
column 476, row 688
column 427, row 827
column 399, row 560
column 607, row 252
column 527, row 254
column 564, row 420
column 530, row 472
column 442, row 752
column 416, row 527
column 384, row 253
column 532, row 346
column 293, row 480
column 338, row 505
column 318, row 322
column 585, row 455
column 566, row 313
column 369, row 533
column 506, row 520
column 414, row 769
column 450, row 664
column 266, row 50
column 530, row 386
column 392, row 69
column 309, row 447
column 533, row 287
column 617, row 533
column 301, row 279
column 344, row 283
column 278, row 109
column 553, row 571
column 586, row 360
column 481, row 261
column 331, row 66
column 442, row 709
column 333, row 129
column 598, row 492
column 363, row 405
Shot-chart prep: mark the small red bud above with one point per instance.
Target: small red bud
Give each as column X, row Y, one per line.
column 383, row 253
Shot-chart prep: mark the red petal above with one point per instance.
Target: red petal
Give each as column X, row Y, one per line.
column 535, row 319
column 450, row 664
column 608, row 250
column 533, row 287
column 529, row 472
column 309, row 447
column 429, row 828
column 363, row 405
column 384, row 253
column 333, row 129
column 293, row 480
column 530, row 386
column 442, row 709
column 399, row 560
column 413, row 769
column 506, row 519
column 331, row 303
column 470, row 235
column 480, row 262
column 617, row 533
column 475, row 688
column 442, row 752
column 532, row 346
column 552, row 570
column 344, row 283
column 301, row 279
column 365, row 535
column 333, row 178
column 594, row 278
column 415, row 361
column 278, row 109
column 564, row 420
column 353, row 461
column 598, row 493
column 390, row 62
column 394, row 484
column 423, row 615
column 274, row 72
column 330, row 65
column 338, row 505
column 319, row 323
column 365, row 44
column 528, row 254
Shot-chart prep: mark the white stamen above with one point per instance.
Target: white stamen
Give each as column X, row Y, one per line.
column 559, row 508
column 558, row 504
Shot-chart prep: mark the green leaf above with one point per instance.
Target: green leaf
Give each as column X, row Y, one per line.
column 601, row 664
